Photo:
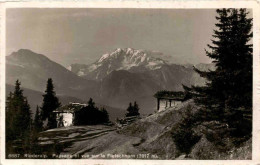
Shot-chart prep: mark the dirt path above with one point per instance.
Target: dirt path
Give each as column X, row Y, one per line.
column 92, row 140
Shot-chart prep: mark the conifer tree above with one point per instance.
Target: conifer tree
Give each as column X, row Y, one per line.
column 227, row 96
column 132, row 110
column 105, row 115
column 129, row 110
column 18, row 117
column 136, row 109
column 91, row 103
column 50, row 103
column 38, row 124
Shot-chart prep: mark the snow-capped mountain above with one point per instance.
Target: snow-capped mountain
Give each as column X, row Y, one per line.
column 120, row 59
column 127, row 75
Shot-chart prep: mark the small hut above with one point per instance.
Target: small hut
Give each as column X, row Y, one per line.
column 166, row 99
column 65, row 115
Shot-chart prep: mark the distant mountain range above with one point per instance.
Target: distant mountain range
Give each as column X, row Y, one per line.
column 35, row 98
column 113, row 80
column 120, row 59
column 34, row 69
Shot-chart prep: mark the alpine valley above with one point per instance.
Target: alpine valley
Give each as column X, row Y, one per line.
column 114, row 80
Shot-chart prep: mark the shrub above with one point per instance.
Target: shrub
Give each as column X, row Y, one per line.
column 91, row 115
column 183, row 135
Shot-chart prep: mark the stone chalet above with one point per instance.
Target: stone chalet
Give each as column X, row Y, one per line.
column 65, row 115
column 167, row 99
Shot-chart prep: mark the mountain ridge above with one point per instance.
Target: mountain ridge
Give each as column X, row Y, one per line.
column 120, row 59
column 115, row 89
column 33, row 70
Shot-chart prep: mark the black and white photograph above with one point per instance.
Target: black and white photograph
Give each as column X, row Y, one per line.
column 129, row 83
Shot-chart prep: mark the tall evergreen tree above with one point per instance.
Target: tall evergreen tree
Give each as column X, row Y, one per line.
column 50, row 103
column 227, row 96
column 18, row 116
column 38, row 124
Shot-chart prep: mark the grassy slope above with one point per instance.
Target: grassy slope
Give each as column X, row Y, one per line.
column 149, row 135
column 145, row 136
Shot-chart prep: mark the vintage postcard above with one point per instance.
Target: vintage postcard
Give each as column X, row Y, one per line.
column 130, row 82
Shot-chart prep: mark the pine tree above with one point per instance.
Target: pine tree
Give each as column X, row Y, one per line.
column 50, row 103
column 227, row 96
column 52, row 121
column 38, row 124
column 238, row 110
column 91, row 103
column 129, row 110
column 105, row 115
column 136, row 109
column 18, row 117
column 132, row 110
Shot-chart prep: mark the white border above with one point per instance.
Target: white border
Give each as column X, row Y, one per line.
column 255, row 5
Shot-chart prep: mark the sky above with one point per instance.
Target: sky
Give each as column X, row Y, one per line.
column 83, row 35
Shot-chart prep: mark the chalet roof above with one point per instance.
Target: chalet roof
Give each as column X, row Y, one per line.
column 171, row 95
column 70, row 108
